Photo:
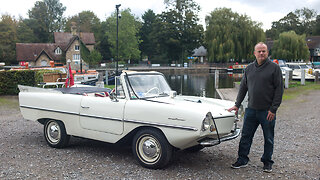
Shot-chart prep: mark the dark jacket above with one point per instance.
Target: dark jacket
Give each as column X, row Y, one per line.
column 264, row 85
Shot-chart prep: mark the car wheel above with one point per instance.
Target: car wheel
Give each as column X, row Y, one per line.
column 55, row 134
column 194, row 149
column 151, row 148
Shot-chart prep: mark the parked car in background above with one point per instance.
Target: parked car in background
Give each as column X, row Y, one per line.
column 142, row 109
column 298, row 68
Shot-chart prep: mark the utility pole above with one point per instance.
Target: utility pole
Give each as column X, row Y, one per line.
column 117, row 7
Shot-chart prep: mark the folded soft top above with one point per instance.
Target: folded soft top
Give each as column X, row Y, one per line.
column 81, row 90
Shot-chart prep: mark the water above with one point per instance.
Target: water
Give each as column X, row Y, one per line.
column 200, row 84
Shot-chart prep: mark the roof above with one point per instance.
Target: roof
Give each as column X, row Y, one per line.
column 31, row 51
column 201, row 51
column 313, row 42
column 65, row 37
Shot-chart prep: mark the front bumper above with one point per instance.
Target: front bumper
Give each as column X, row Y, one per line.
column 212, row 142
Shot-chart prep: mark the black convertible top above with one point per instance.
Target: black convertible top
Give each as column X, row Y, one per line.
column 81, row 90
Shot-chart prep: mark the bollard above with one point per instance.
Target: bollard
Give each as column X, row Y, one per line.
column 290, row 75
column 216, row 79
column 286, row 80
column 316, row 76
column 303, row 77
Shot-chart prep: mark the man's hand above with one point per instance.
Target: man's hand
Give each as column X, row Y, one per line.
column 270, row 116
column 234, row 108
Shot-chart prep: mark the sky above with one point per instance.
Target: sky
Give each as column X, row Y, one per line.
column 260, row 11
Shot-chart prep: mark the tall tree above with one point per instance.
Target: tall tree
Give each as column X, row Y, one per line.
column 8, row 39
column 86, row 21
column 316, row 28
column 290, row 46
column 128, row 35
column 179, row 33
column 301, row 21
column 46, row 17
column 230, row 36
column 147, row 46
column 24, row 33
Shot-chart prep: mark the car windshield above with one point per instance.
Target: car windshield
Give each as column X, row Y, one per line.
column 148, row 85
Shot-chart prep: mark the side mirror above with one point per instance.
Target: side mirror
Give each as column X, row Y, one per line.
column 173, row 94
column 113, row 96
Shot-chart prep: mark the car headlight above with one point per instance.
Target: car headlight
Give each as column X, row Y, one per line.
column 207, row 122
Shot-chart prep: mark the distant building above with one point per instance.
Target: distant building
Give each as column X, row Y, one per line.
column 66, row 46
column 313, row 43
column 201, row 54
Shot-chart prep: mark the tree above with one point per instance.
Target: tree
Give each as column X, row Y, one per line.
column 177, row 31
column 128, row 35
column 8, row 39
column 230, row 36
column 24, row 33
column 290, row 46
column 86, row 21
column 94, row 57
column 148, row 47
column 316, row 28
column 301, row 21
column 46, row 17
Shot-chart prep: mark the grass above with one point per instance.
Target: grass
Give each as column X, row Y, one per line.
column 9, row 101
column 295, row 89
column 109, row 86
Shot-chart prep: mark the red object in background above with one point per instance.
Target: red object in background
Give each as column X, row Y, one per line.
column 69, row 80
column 276, row 61
column 22, row 63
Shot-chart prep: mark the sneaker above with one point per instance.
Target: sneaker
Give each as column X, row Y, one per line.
column 238, row 165
column 267, row 167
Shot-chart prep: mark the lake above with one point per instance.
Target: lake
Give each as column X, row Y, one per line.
column 201, row 84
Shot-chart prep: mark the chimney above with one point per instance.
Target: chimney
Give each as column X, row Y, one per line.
column 73, row 28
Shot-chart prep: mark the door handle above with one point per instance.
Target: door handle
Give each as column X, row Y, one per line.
column 86, row 107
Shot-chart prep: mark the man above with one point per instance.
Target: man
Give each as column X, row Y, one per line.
column 263, row 82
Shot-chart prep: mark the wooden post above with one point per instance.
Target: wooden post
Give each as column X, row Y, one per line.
column 290, row 75
column 316, row 77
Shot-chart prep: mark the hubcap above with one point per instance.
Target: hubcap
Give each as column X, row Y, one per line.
column 53, row 132
column 149, row 149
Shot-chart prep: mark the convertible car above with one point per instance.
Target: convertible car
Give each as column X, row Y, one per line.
column 142, row 109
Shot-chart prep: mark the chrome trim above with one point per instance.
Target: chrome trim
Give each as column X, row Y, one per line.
column 176, row 119
column 45, row 109
column 212, row 142
column 113, row 119
column 100, row 117
column 162, row 125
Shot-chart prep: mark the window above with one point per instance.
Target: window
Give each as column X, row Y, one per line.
column 76, row 57
column 77, row 47
column 58, row 51
column 44, row 62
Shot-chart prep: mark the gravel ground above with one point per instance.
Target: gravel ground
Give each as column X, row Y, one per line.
column 24, row 153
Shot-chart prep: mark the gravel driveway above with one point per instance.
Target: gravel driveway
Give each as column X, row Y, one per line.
column 24, row 153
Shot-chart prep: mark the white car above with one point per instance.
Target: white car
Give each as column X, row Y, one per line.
column 142, row 109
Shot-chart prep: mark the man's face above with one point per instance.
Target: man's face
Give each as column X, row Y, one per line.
column 261, row 52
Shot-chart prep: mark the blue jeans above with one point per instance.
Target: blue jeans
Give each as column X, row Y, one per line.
column 252, row 119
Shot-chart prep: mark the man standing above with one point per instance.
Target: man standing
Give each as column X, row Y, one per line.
column 263, row 82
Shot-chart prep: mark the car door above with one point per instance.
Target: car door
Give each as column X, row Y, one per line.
column 102, row 114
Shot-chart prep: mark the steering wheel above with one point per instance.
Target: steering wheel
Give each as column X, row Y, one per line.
column 154, row 88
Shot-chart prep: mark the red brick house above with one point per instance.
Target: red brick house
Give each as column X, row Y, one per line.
column 66, row 46
column 313, row 43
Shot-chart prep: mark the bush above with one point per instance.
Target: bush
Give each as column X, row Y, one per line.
column 9, row 81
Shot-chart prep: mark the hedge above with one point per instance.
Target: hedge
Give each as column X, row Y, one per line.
column 9, row 80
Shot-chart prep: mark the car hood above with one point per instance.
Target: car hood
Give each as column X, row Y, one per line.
column 217, row 107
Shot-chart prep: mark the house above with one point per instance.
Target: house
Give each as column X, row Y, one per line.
column 201, row 54
column 313, row 43
column 66, row 46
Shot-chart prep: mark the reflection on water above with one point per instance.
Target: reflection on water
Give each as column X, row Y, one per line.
column 200, row 84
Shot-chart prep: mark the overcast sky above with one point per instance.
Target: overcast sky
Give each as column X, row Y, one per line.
column 261, row 11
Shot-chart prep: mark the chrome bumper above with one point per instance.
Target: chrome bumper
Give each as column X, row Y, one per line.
column 212, row 142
